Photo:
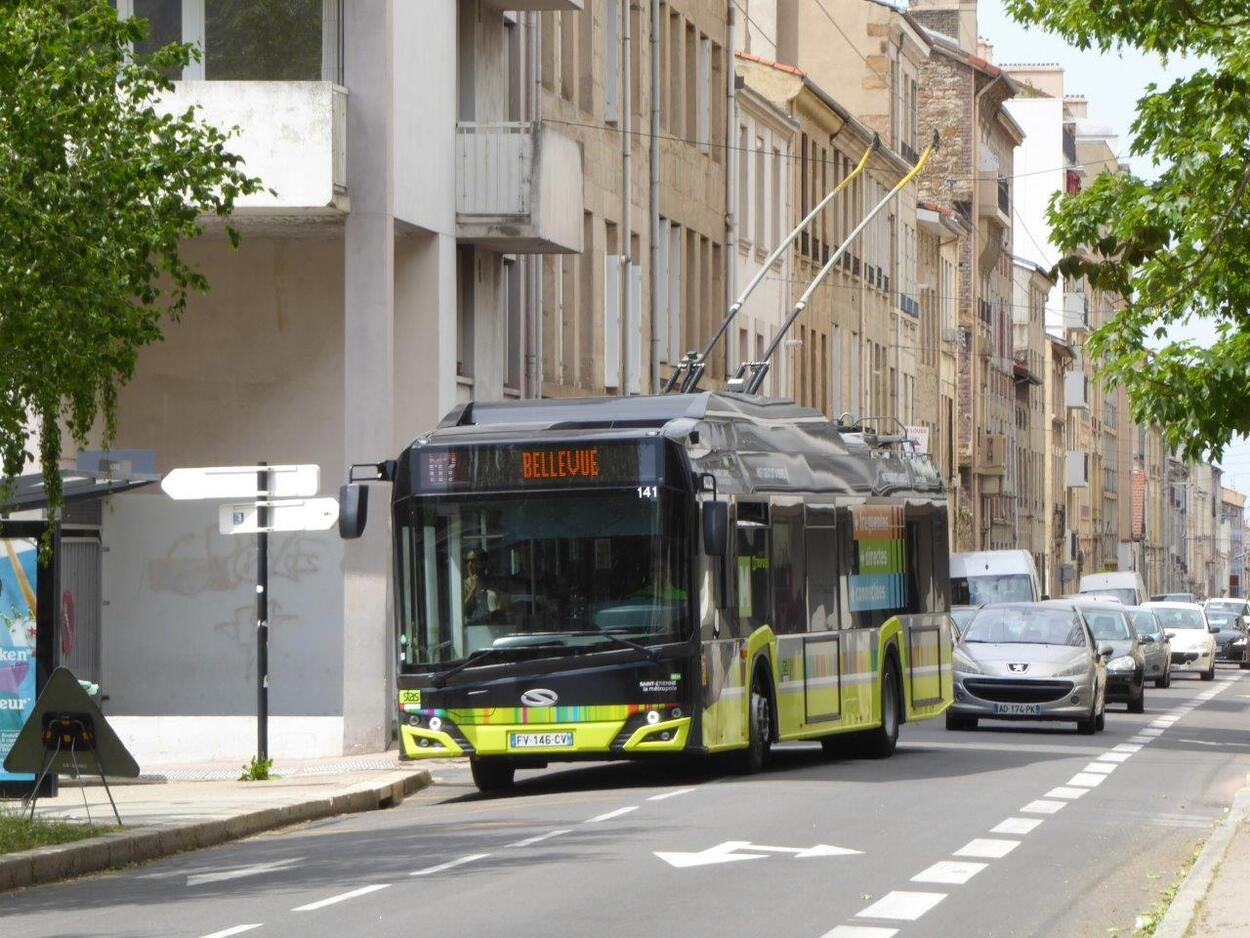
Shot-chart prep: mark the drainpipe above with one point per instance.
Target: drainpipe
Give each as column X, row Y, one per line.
column 627, row 238
column 535, row 331
column 731, row 169
column 654, row 169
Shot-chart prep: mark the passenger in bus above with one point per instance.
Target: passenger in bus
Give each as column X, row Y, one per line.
column 659, row 583
column 482, row 600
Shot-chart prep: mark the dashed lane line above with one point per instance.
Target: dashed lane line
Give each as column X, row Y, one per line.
column 450, row 864
column 1087, row 779
column 236, row 930
column 861, row 931
column 611, row 814
column 1043, row 806
column 949, row 872
column 1017, row 825
column 1064, row 791
column 341, row 897
column 1106, row 768
column 987, row 848
column 1111, row 756
column 902, row 905
column 671, row 794
column 539, row 838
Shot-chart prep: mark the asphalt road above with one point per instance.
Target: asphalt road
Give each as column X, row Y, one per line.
column 1010, row 830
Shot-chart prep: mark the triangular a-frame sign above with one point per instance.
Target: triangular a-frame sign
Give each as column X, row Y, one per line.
column 65, row 726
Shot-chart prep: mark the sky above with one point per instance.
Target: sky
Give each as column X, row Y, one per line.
column 1112, row 83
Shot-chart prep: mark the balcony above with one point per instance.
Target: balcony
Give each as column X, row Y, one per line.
column 1076, row 470
column 518, row 188
column 994, row 200
column 292, row 134
column 1075, row 311
column 994, row 461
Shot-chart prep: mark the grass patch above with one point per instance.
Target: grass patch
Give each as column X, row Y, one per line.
column 1147, row 922
column 21, row 833
column 258, row 770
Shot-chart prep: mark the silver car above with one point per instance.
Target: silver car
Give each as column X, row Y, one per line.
column 1156, row 647
column 1029, row 661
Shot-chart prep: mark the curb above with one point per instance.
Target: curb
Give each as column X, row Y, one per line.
column 1180, row 914
column 139, row 845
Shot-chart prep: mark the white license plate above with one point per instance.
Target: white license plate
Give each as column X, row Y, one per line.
column 540, row 740
column 1018, row 709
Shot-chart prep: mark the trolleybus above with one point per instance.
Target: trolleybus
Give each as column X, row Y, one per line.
column 634, row 578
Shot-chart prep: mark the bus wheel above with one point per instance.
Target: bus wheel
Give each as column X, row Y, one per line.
column 880, row 743
column 492, row 774
column 759, row 729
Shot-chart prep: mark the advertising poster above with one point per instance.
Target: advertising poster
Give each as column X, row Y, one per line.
column 18, row 583
column 880, row 580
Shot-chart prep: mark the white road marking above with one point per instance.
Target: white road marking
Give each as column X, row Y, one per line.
column 1141, row 740
column 1130, row 748
column 671, row 794
column 728, row 852
column 987, row 848
column 1114, row 756
column 221, row 876
column 530, row 841
column 860, row 931
column 950, row 872
column 1063, row 792
column 1017, row 825
column 237, row 930
column 1106, row 768
column 1043, row 807
column 611, row 814
column 1087, row 779
column 450, row 864
column 905, row 906
column 342, row 897
column 1150, row 732
column 1207, row 742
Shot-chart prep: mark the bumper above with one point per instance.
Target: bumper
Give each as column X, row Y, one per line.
column 1007, row 699
column 603, row 740
column 1124, row 685
column 1192, row 660
column 1231, row 652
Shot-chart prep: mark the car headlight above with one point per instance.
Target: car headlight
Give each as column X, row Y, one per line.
column 963, row 663
column 1122, row 663
column 1239, row 641
column 1075, row 669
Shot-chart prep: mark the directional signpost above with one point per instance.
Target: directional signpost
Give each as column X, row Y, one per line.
column 279, row 498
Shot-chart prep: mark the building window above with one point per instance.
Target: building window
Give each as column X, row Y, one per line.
column 744, row 183
column 761, row 215
column 513, row 362
column 464, row 310
column 778, row 234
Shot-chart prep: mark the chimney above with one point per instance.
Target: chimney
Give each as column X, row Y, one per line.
column 954, row 18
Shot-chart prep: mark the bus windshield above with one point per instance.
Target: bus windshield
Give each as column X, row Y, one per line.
column 574, row 568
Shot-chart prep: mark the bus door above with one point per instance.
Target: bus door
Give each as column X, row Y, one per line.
column 822, row 672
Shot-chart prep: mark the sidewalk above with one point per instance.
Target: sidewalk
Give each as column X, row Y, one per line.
column 189, row 807
column 1211, row 901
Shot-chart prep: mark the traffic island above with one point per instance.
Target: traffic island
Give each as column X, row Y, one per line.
column 193, row 815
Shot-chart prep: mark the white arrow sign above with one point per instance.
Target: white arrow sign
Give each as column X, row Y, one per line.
column 240, row 482
column 296, row 514
column 219, row 876
column 728, row 853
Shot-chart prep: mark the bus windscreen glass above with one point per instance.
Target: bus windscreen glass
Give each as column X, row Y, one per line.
column 512, row 466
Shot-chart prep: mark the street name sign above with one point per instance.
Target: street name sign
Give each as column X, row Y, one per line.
column 241, row 482
column 295, row 514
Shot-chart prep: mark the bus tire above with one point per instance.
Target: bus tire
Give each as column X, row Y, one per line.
column 879, row 743
column 492, row 774
column 754, row 757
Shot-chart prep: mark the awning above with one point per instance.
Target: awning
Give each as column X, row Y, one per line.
column 76, row 485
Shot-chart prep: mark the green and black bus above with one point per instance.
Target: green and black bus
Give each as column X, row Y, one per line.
column 633, row 578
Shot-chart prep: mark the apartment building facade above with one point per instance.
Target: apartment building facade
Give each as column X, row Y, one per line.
column 1030, row 354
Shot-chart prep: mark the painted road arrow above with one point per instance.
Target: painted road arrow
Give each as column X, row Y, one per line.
column 728, row 852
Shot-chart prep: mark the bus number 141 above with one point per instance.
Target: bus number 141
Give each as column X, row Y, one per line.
column 648, row 491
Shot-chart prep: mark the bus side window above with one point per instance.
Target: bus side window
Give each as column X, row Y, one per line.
column 789, row 576
column 753, row 578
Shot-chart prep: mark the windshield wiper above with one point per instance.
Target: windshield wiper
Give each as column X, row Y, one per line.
column 440, row 678
column 651, row 653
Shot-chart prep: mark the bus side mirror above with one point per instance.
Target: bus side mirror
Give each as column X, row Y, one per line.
column 353, row 510
column 715, row 528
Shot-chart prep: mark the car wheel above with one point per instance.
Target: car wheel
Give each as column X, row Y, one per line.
column 759, row 730
column 880, row 743
column 1100, row 722
column 1088, row 726
column 1244, row 665
column 1164, row 680
column 1209, row 674
column 1138, row 703
column 492, row 774
column 956, row 722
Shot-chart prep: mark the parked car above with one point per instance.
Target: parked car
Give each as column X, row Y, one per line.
column 1126, row 670
column 1125, row 585
column 1156, row 647
column 994, row 576
column 1230, row 640
column 1193, row 643
column 1029, row 661
column 1172, row 598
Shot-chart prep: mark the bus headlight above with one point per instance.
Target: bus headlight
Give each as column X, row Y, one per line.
column 436, row 724
column 653, row 717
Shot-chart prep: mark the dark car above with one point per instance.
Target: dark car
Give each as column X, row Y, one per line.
column 1156, row 647
column 1230, row 640
column 1126, row 671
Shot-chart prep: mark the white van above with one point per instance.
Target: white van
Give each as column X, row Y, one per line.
column 1125, row 585
column 994, row 576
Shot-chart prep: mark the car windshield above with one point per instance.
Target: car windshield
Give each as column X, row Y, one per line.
column 1107, row 626
column 1232, row 607
column 511, row 571
column 1144, row 622
column 1180, row 618
column 1225, row 620
column 1127, row 596
column 963, row 616
column 1004, row 588
column 1026, row 625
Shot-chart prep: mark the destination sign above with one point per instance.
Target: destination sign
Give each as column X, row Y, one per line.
column 514, row 466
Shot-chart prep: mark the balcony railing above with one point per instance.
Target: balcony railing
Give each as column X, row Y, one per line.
column 494, row 166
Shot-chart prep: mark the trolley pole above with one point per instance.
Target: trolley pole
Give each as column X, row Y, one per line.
column 262, row 613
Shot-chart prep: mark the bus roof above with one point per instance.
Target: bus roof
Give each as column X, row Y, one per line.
column 750, row 444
